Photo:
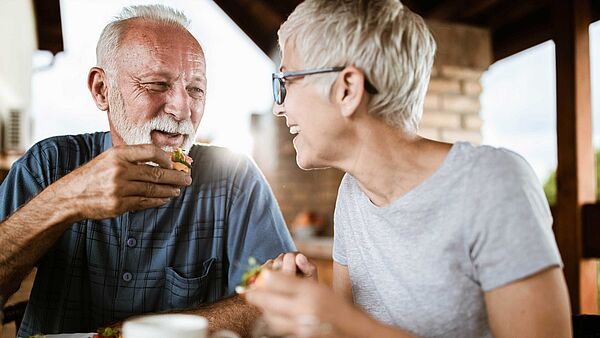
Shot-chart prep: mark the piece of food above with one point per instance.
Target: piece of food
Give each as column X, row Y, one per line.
column 104, row 332
column 250, row 277
column 181, row 161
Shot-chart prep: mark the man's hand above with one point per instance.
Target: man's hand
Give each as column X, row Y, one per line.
column 118, row 181
column 293, row 263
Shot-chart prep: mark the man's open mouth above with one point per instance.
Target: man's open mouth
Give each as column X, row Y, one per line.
column 164, row 137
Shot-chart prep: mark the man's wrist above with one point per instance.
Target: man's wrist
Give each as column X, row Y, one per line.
column 65, row 208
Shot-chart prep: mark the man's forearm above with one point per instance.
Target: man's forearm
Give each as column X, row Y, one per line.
column 232, row 313
column 28, row 234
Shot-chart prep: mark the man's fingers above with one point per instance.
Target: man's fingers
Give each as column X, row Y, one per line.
column 141, row 203
column 144, row 153
column 148, row 189
column 143, row 172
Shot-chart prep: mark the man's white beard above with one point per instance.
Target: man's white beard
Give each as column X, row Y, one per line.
column 140, row 134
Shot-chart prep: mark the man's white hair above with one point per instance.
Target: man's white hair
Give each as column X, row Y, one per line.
column 110, row 39
column 383, row 38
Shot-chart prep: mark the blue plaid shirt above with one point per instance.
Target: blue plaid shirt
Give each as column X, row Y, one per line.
column 191, row 251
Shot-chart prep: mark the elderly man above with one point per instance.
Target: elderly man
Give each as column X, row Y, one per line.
column 112, row 236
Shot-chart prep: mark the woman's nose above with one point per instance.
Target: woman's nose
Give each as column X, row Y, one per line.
column 278, row 109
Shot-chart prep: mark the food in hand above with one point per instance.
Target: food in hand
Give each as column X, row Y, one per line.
column 181, row 161
column 250, row 277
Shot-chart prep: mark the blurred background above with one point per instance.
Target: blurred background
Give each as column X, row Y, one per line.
column 494, row 82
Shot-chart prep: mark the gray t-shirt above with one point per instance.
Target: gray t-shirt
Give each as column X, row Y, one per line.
column 423, row 262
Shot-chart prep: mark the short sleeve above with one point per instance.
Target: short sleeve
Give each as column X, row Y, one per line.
column 341, row 223
column 20, row 185
column 510, row 229
column 256, row 227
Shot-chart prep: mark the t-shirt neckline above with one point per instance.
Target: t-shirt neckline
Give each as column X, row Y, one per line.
column 450, row 157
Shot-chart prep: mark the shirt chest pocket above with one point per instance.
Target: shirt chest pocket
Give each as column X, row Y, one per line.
column 182, row 291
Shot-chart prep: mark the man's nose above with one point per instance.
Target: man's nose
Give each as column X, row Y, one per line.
column 178, row 103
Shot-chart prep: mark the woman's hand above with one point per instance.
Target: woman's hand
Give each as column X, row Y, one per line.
column 293, row 263
column 302, row 307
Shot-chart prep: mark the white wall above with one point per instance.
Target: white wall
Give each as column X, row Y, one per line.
column 17, row 43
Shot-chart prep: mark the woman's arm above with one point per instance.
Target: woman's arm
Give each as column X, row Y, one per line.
column 537, row 306
column 341, row 282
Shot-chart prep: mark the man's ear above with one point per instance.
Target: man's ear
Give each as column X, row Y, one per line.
column 350, row 90
column 98, row 86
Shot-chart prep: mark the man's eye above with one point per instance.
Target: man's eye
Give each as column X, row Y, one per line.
column 157, row 86
column 196, row 92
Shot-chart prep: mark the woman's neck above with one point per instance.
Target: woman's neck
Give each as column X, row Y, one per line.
column 388, row 164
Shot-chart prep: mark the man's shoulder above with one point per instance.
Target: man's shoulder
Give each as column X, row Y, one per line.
column 66, row 149
column 91, row 143
column 215, row 160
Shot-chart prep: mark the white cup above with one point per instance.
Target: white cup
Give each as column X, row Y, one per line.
column 171, row 326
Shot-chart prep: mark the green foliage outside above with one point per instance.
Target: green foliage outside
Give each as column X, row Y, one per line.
column 550, row 185
column 550, row 190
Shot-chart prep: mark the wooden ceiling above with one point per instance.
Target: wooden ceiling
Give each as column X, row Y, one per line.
column 515, row 24
column 49, row 28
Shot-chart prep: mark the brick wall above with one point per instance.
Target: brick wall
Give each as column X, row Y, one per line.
column 451, row 113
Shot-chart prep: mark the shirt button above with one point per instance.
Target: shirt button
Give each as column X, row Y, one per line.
column 131, row 242
column 127, row 276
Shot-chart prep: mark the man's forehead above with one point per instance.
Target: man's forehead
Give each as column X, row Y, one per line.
column 149, row 55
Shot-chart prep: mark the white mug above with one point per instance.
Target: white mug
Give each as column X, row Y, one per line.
column 171, row 325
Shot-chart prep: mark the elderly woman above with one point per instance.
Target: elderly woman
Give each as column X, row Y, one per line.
column 431, row 239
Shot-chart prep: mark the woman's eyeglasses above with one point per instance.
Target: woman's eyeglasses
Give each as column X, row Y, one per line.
column 279, row 81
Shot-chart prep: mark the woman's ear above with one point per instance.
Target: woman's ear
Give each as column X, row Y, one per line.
column 350, row 90
column 98, row 86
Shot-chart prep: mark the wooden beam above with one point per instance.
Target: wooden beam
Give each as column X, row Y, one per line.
column 510, row 12
column 575, row 173
column 478, row 8
column 518, row 36
column 259, row 21
column 48, row 25
column 446, row 10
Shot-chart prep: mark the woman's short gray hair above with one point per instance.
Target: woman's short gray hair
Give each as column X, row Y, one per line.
column 110, row 39
column 383, row 38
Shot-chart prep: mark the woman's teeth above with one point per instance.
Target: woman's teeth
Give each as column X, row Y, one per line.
column 294, row 130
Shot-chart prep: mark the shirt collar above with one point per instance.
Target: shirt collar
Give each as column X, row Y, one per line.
column 107, row 143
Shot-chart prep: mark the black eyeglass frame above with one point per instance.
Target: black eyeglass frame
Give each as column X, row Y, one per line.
column 278, row 78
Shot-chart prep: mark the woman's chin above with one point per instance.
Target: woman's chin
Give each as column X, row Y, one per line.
column 306, row 163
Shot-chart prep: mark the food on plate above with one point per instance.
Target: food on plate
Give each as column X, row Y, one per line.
column 105, row 332
column 250, row 277
column 181, row 161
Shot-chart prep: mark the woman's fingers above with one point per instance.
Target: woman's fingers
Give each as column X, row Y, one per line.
column 307, row 268
column 289, row 263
